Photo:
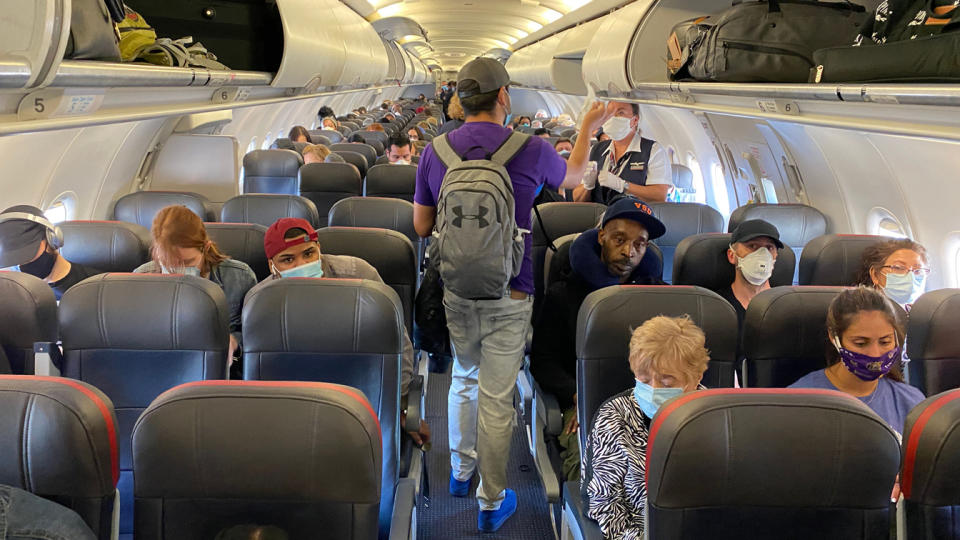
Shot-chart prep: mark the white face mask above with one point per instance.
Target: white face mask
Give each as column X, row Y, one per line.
column 401, row 162
column 756, row 267
column 617, row 127
column 185, row 270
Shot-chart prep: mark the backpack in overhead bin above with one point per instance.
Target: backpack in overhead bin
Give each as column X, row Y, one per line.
column 476, row 243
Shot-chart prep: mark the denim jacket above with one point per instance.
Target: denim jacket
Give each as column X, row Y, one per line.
column 24, row 516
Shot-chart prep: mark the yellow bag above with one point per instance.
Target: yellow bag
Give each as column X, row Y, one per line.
column 135, row 35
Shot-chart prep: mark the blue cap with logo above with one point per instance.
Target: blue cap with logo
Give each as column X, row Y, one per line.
column 635, row 210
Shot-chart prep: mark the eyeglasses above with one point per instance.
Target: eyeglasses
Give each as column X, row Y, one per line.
column 899, row 270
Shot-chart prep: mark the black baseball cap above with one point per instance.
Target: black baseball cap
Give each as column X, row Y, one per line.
column 636, row 210
column 481, row 75
column 20, row 238
column 755, row 228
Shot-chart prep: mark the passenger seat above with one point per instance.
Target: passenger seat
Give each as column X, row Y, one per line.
column 356, row 159
column 834, row 259
column 559, row 219
column 28, row 315
column 932, row 342
column 367, row 151
column 701, row 260
column 396, row 181
column 141, row 207
column 264, row 209
column 798, row 224
column 378, row 212
column 683, row 220
column 243, row 242
column 327, row 183
column 109, row 246
column 271, row 171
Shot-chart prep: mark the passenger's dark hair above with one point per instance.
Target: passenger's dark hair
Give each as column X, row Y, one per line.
column 480, row 103
column 562, row 140
column 877, row 254
column 295, row 232
column 848, row 305
column 520, row 121
column 325, row 111
column 356, row 137
column 541, row 131
column 635, row 108
column 298, row 131
column 399, row 140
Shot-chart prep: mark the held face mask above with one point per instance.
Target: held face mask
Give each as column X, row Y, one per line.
column 650, row 399
column 757, row 267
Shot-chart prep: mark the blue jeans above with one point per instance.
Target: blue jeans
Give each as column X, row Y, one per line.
column 488, row 338
column 24, row 516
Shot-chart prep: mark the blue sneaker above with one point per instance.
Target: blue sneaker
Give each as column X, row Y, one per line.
column 492, row 520
column 458, row 488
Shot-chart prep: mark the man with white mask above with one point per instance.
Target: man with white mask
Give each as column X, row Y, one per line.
column 753, row 250
column 628, row 163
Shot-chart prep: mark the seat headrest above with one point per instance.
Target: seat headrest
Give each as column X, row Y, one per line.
column 196, row 428
column 110, row 246
column 682, row 178
column 685, row 219
column 379, row 212
column 265, row 209
column 332, row 136
column 563, row 218
column 834, row 259
column 272, row 163
column 387, row 179
column 330, row 177
column 318, row 137
column 713, row 448
column 58, row 437
column 142, row 206
column 144, row 312
column 390, row 252
column 29, row 311
column 354, row 158
column 933, row 347
column 357, row 316
column 797, row 223
column 931, row 443
column 243, row 242
column 701, row 260
column 282, row 143
column 785, row 334
column 367, row 151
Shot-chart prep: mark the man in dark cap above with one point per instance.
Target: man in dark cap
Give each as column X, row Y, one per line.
column 31, row 244
column 753, row 250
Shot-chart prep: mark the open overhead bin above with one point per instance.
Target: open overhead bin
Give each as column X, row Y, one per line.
column 613, row 46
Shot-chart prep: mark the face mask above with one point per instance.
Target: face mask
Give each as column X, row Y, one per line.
column 650, row 399
column 565, row 153
column 905, row 289
column 867, row 368
column 41, row 267
column 525, row 124
column 400, row 162
column 756, row 267
column 617, row 127
column 311, row 270
column 185, row 270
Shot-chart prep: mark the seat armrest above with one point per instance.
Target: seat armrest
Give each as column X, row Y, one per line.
column 46, row 359
column 575, row 515
column 414, row 404
column 548, row 410
column 403, row 522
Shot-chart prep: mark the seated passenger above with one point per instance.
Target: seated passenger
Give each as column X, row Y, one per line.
column 319, row 153
column 432, row 122
column 181, row 246
column 524, row 121
column 357, row 138
column 329, row 122
column 400, row 150
column 292, row 250
column 388, row 118
column 28, row 243
column 376, row 126
column 563, row 146
column 611, row 255
column 326, row 112
column 667, row 358
column 896, row 267
column 413, row 134
column 866, row 331
column 25, row 516
column 753, row 250
column 299, row 134
column 541, row 132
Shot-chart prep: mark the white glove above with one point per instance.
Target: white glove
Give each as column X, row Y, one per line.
column 612, row 181
column 589, row 180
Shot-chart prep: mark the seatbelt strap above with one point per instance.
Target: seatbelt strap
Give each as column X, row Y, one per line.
column 536, row 210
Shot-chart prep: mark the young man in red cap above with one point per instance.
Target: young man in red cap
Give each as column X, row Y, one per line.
column 292, row 250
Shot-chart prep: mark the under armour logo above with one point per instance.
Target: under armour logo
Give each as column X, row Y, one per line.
column 481, row 222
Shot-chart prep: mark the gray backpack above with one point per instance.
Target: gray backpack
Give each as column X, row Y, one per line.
column 476, row 244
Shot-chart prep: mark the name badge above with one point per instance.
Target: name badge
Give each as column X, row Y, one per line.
column 637, row 165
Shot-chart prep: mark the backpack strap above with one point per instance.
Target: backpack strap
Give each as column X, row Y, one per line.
column 446, row 153
column 510, row 148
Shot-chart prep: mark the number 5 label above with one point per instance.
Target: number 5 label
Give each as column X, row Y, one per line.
column 54, row 102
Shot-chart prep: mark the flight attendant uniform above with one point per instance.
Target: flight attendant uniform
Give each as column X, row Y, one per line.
column 645, row 163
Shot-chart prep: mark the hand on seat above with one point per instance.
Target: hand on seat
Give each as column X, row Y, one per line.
column 420, row 437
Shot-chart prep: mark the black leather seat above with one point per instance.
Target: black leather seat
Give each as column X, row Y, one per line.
column 140, row 207
column 559, row 219
column 701, row 260
column 264, row 209
column 317, row 137
column 331, row 135
column 356, row 159
column 385, row 160
column 110, row 246
column 755, row 464
column 58, row 440
column 932, row 343
column 376, row 139
column 327, row 183
column 28, row 314
column 930, row 476
column 785, row 334
column 134, row 336
column 797, row 223
column 340, row 331
column 243, row 242
column 377, row 212
column 395, row 181
column 834, row 259
column 683, row 220
column 367, row 151
column 213, row 455
column 272, row 171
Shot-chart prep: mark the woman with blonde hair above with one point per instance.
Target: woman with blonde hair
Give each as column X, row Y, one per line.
column 456, row 115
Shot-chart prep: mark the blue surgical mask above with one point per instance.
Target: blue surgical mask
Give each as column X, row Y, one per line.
column 905, row 289
column 650, row 399
column 507, row 120
column 185, row 270
column 311, row 270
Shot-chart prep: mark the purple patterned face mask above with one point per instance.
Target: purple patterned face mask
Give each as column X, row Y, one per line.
column 867, row 368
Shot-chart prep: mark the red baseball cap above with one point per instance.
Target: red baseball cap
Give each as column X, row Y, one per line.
column 273, row 241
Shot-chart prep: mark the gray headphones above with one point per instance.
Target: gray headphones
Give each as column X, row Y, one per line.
column 54, row 234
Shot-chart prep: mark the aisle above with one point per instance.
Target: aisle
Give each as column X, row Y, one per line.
column 453, row 517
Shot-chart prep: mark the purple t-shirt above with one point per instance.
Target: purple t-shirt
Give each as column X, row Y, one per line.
column 536, row 164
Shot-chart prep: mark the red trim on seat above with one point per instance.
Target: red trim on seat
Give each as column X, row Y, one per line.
column 910, row 455
column 101, row 405
column 672, row 287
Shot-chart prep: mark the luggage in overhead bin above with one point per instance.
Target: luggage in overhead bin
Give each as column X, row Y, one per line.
column 772, row 40
column 93, row 30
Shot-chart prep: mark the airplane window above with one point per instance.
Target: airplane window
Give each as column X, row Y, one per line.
column 56, row 213
column 719, row 185
column 700, row 193
column 888, row 227
column 266, row 142
column 769, row 191
column 882, row 222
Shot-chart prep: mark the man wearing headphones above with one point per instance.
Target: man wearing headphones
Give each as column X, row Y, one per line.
column 29, row 242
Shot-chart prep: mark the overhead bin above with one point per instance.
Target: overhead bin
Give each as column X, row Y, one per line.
column 395, row 63
column 566, row 69
column 605, row 62
column 530, row 66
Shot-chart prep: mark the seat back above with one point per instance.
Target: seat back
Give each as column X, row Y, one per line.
column 134, row 336
column 932, row 344
column 683, row 220
column 110, row 246
column 333, row 136
column 356, row 159
column 271, row 171
column 396, row 181
column 317, row 137
column 341, row 331
column 796, row 223
column 604, row 325
column 825, row 461
column 385, row 160
column 287, row 474
column 58, row 440
column 367, row 151
column 376, row 212
column 834, row 259
column 243, row 242
column 264, row 209
column 327, row 183
column 373, row 137
column 140, row 207
column 785, row 334
column 559, row 219
column 701, row 260
column 28, row 314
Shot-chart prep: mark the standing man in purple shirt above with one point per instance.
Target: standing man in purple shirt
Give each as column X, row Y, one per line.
column 488, row 336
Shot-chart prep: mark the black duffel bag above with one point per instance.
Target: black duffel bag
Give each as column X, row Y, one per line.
column 773, row 40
